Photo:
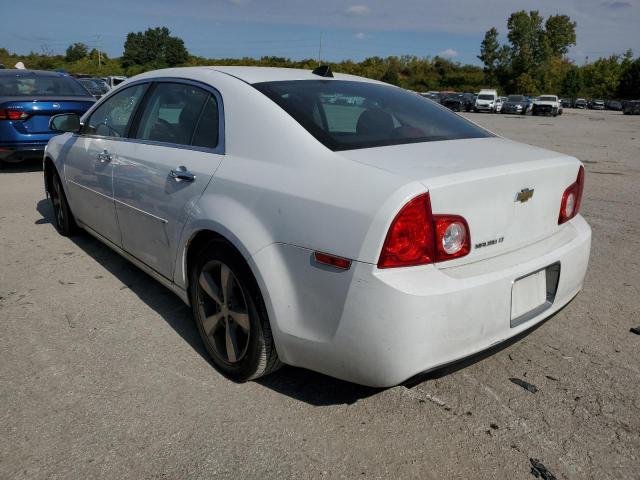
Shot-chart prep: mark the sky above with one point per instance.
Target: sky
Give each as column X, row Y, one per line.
column 346, row 29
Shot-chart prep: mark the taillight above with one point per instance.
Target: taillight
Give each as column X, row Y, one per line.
column 571, row 199
column 7, row 114
column 417, row 237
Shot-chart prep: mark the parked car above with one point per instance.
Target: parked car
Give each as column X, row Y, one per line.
column 498, row 104
column 546, row 105
column 368, row 241
column 95, row 86
column 614, row 105
column 28, row 98
column 516, row 104
column 459, row 102
column 486, row 101
column 580, row 103
column 597, row 105
column 631, row 107
column 565, row 102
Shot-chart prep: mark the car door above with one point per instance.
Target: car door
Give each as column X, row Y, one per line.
column 90, row 158
column 162, row 170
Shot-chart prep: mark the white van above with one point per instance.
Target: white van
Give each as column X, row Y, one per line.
column 486, row 101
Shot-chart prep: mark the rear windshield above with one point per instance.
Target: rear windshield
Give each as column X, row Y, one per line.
column 348, row 115
column 29, row 85
column 515, row 98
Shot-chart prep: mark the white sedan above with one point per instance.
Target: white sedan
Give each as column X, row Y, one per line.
column 325, row 221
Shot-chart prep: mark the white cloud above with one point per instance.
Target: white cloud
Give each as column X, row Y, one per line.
column 448, row 53
column 358, row 10
column 360, row 35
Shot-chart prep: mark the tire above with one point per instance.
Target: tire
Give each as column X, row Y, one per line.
column 234, row 325
column 62, row 217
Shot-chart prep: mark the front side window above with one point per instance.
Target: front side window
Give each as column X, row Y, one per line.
column 112, row 117
column 181, row 114
column 347, row 115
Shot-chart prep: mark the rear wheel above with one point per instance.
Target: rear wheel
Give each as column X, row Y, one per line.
column 230, row 314
column 62, row 218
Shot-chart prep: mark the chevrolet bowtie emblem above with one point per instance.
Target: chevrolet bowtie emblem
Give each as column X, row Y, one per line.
column 524, row 195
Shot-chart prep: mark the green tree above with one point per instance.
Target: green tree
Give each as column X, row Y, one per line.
column 76, row 52
column 529, row 47
column 572, row 83
column 155, row 48
column 561, row 34
column 490, row 55
column 629, row 86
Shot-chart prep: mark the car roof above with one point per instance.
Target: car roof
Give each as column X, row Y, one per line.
column 39, row 73
column 254, row 75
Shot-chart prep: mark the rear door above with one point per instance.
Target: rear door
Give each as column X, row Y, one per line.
column 161, row 172
column 90, row 158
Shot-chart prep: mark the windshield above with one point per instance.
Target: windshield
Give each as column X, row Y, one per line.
column 485, row 96
column 347, row 115
column 515, row 98
column 30, row 84
column 547, row 99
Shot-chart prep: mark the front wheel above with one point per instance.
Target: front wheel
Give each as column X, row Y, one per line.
column 230, row 314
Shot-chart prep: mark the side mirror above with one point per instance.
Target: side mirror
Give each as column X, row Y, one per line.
column 65, row 122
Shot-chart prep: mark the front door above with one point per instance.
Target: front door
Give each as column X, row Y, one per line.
column 162, row 171
column 90, row 162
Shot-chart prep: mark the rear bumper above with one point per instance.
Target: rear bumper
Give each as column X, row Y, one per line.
column 381, row 327
column 18, row 152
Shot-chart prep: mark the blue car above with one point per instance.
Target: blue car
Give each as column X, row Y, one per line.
column 28, row 98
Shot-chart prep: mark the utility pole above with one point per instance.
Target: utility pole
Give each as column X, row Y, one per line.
column 99, row 52
column 320, row 50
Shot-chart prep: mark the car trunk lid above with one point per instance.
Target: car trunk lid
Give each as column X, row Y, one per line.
column 508, row 193
column 41, row 110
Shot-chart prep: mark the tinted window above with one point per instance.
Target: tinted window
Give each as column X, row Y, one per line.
column 30, row 84
column 485, row 96
column 516, row 98
column 346, row 115
column 548, row 99
column 112, row 117
column 207, row 130
column 172, row 113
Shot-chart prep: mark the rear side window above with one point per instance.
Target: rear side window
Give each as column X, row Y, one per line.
column 112, row 117
column 180, row 114
column 29, row 84
column 206, row 134
column 346, row 115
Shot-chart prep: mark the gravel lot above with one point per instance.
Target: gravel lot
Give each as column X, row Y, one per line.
column 102, row 373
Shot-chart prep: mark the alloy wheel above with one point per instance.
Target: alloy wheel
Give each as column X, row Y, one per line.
column 56, row 199
column 223, row 312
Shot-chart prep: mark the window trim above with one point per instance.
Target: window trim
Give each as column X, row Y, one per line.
column 134, row 122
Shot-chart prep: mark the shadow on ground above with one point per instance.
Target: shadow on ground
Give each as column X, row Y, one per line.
column 300, row 384
column 31, row 165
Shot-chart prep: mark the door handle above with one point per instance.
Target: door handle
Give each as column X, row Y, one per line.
column 104, row 156
column 181, row 173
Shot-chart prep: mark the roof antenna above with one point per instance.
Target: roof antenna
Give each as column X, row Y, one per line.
column 323, row 71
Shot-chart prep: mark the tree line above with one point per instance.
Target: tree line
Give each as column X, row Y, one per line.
column 532, row 61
